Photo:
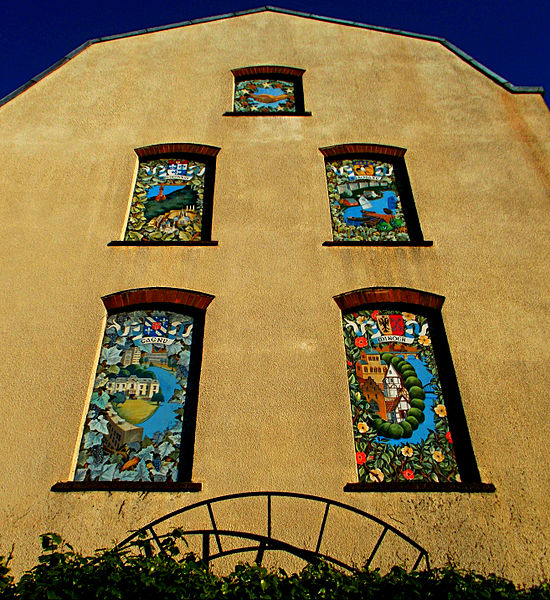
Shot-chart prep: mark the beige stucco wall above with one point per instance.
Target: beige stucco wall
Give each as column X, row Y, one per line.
column 273, row 404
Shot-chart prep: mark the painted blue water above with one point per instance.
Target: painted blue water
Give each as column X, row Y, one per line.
column 153, row 191
column 429, row 424
column 165, row 415
column 378, row 206
column 272, row 92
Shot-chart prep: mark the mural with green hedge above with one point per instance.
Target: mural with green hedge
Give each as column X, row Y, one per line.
column 399, row 416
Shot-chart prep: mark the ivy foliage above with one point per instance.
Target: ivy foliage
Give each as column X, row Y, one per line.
column 64, row 574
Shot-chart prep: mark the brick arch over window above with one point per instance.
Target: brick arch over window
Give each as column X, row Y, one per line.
column 408, row 423
column 384, row 295
column 155, row 296
column 370, row 196
column 269, row 91
column 267, row 70
column 176, row 149
column 173, row 195
column 340, row 149
column 139, row 430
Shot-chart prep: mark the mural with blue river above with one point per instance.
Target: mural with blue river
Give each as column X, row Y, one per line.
column 398, row 411
column 134, row 422
column 364, row 201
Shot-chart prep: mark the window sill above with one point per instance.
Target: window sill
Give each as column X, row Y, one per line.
column 381, row 243
column 405, row 486
column 266, row 114
column 126, row 486
column 163, row 243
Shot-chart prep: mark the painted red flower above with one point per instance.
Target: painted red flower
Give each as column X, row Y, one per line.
column 449, row 438
column 408, row 474
column 349, row 363
column 361, row 341
column 374, row 314
column 361, row 458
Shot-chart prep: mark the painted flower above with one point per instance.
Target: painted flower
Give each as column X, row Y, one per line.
column 409, row 317
column 407, row 451
column 376, row 475
column 408, row 474
column 449, row 438
column 361, row 319
column 374, row 314
column 437, row 456
column 440, row 410
column 349, row 363
column 362, row 427
column 361, row 341
column 424, row 340
column 360, row 458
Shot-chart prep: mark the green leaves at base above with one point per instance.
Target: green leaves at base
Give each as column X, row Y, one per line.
column 63, row 573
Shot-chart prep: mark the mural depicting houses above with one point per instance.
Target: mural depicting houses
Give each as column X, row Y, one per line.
column 396, row 396
column 131, row 357
column 382, row 386
column 135, row 356
column 134, row 387
column 159, row 356
column 121, row 432
column 370, row 365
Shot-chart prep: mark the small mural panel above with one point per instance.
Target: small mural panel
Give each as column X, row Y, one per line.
column 364, row 201
column 399, row 415
column 168, row 201
column 134, row 422
column 264, row 96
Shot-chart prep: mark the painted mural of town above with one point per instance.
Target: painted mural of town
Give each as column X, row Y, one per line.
column 167, row 202
column 134, row 423
column 364, row 201
column 264, row 96
column 399, row 416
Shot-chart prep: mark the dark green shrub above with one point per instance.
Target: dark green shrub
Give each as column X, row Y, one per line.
column 63, row 574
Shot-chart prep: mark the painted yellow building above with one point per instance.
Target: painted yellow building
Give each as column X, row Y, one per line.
column 273, row 404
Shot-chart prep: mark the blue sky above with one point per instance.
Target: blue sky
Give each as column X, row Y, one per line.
column 508, row 37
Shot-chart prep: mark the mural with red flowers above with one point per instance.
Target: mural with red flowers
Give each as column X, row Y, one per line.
column 399, row 415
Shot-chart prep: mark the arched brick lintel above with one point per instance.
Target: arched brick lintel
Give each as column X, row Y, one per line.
column 176, row 148
column 386, row 295
column 362, row 149
column 156, row 295
column 266, row 70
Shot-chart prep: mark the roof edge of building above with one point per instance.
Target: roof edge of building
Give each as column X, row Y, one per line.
column 516, row 89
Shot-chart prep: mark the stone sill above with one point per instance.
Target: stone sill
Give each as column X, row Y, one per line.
column 126, row 486
column 372, row 243
column 163, row 243
column 265, row 114
column 405, row 486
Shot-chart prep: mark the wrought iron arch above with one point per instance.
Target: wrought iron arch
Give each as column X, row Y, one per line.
column 260, row 543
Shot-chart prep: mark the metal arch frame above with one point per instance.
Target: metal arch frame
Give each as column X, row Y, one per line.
column 268, row 542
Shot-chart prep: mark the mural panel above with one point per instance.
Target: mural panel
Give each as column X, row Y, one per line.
column 168, row 201
column 364, row 201
column 264, row 96
column 399, row 415
column 134, row 422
